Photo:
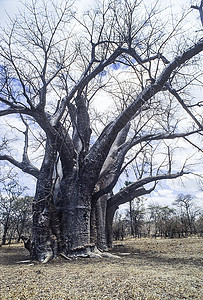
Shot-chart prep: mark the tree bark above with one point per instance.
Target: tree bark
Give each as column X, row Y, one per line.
column 109, row 224
column 101, row 208
column 43, row 240
column 76, row 220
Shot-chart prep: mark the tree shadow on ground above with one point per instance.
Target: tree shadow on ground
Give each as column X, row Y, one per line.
column 13, row 254
column 153, row 256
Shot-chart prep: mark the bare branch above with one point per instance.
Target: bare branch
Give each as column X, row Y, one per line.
column 200, row 8
column 116, row 167
column 180, row 100
column 130, row 192
column 102, row 146
column 27, row 168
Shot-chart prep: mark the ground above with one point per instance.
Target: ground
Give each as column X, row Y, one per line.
column 147, row 269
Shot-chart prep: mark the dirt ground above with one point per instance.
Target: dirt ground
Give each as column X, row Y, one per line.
column 146, row 269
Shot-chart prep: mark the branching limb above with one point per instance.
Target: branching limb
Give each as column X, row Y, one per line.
column 142, row 61
column 117, row 167
column 13, row 108
column 180, row 100
column 100, row 149
column 200, row 8
column 25, row 165
column 10, row 111
column 27, row 168
column 133, row 190
column 83, row 82
column 198, row 148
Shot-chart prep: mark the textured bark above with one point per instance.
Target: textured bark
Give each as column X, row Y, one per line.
column 101, row 208
column 93, row 224
column 43, row 240
column 76, row 221
column 109, row 225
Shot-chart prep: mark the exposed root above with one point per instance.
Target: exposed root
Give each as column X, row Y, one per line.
column 88, row 251
column 95, row 254
column 85, row 252
column 27, row 262
column 110, row 255
column 64, row 256
column 124, row 253
column 99, row 254
column 48, row 257
column 23, row 262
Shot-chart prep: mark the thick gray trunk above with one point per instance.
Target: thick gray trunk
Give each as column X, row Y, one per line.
column 101, row 222
column 67, row 233
column 76, row 228
column 75, row 221
column 46, row 238
column 44, row 245
column 44, row 242
column 109, row 225
column 93, row 224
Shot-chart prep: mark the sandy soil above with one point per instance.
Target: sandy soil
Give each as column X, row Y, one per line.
column 146, row 269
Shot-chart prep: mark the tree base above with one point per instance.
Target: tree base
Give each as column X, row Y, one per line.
column 89, row 251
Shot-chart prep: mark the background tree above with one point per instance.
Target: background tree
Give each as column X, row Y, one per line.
column 23, row 217
column 188, row 212
column 162, row 218
column 199, row 224
column 15, row 211
column 136, row 214
column 119, row 227
column 54, row 65
column 160, row 221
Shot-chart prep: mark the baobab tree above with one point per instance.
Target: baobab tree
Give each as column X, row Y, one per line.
column 56, row 67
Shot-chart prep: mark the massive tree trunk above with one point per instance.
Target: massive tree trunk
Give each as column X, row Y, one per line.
column 75, row 219
column 44, row 236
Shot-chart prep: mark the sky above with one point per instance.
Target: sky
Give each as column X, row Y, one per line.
column 11, row 6
column 168, row 190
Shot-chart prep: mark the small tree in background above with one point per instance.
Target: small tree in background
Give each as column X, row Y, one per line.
column 188, row 212
column 136, row 215
column 15, row 211
column 119, row 227
column 162, row 221
column 199, row 224
column 23, row 216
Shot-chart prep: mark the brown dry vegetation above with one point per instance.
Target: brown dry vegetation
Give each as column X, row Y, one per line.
column 147, row 269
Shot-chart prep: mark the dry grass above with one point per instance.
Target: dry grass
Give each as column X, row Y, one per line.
column 154, row 269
